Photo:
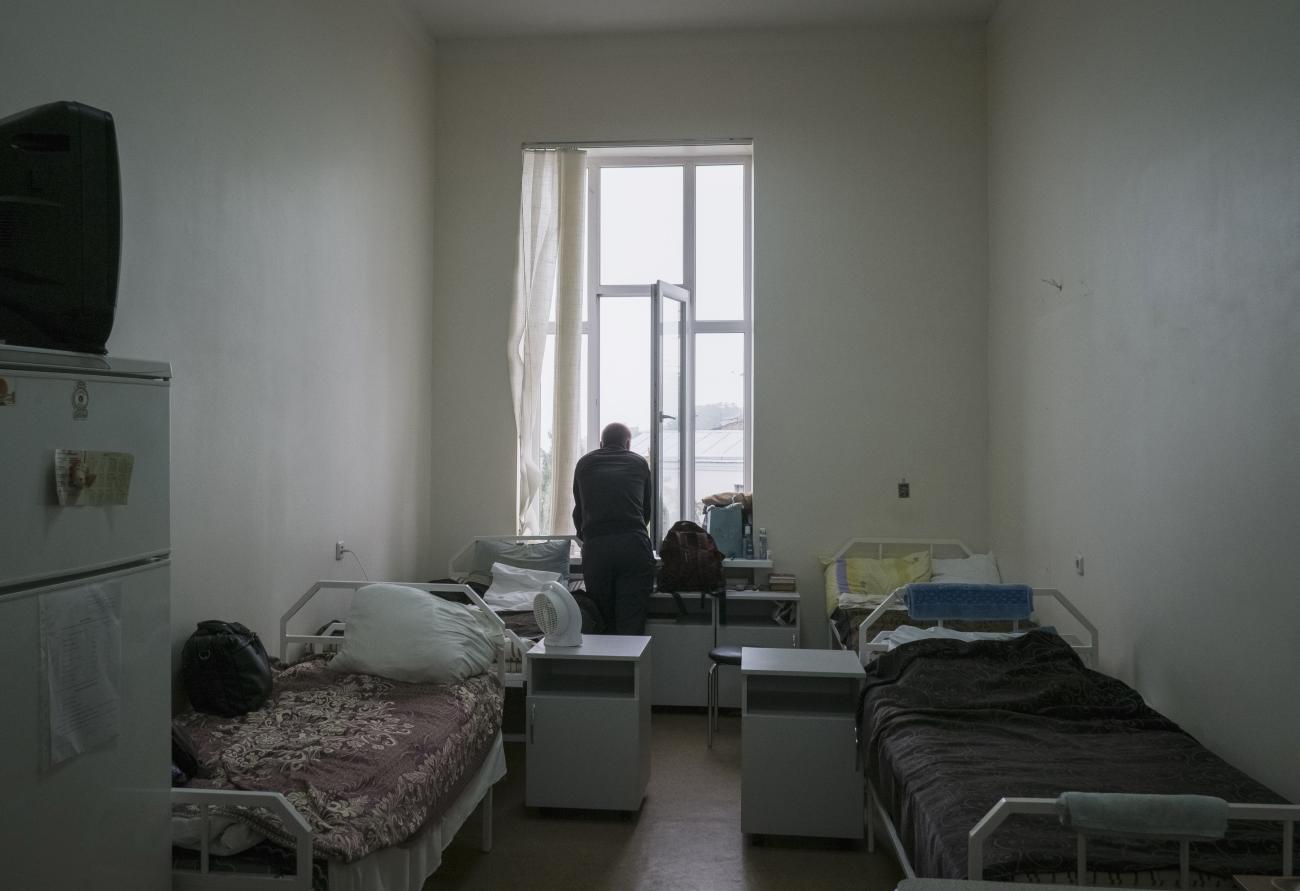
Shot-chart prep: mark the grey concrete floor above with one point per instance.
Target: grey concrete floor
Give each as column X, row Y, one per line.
column 686, row 835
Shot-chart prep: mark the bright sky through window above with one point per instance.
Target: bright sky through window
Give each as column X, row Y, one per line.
column 640, row 226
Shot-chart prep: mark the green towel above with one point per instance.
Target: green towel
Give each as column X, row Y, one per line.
column 1161, row 816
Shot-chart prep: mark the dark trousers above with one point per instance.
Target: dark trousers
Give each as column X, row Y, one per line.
column 619, row 573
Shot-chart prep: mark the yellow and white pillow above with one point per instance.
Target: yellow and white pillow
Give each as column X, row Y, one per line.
column 866, row 581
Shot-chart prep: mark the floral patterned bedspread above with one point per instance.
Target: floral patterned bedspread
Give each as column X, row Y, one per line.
column 365, row 760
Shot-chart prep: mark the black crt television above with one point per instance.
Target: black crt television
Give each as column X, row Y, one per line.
column 60, row 227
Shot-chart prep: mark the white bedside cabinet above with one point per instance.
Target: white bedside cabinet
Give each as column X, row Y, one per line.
column 588, row 724
column 799, row 757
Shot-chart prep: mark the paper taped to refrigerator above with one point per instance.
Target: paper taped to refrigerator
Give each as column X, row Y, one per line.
column 92, row 479
column 81, row 666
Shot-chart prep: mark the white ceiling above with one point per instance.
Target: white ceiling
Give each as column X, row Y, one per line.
column 449, row 19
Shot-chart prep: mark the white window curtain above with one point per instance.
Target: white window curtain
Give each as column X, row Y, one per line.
column 549, row 270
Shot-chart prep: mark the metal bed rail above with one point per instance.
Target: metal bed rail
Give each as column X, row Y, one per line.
column 1088, row 651
column 938, row 548
column 879, row 548
column 876, row 811
column 204, row 880
column 1286, row 814
column 350, row 584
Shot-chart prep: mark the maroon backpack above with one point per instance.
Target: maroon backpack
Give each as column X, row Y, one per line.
column 690, row 561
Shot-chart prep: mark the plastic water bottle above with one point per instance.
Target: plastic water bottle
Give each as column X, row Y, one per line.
column 761, row 550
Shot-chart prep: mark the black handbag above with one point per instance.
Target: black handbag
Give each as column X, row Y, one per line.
column 225, row 669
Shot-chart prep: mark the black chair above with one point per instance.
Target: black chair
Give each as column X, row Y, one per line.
column 718, row 656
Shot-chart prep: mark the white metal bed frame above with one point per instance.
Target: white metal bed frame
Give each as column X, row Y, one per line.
column 1286, row 814
column 942, row 549
column 868, row 648
column 203, row 879
column 879, row 548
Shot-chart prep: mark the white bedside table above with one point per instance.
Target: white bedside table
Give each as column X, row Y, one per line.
column 799, row 756
column 588, row 724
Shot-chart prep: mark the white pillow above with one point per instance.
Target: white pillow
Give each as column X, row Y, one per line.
column 514, row 587
column 978, row 569
column 411, row 635
column 508, row 579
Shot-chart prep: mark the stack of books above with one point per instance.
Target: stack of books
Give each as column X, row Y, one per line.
column 781, row 581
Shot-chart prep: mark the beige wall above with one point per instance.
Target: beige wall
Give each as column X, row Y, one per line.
column 1145, row 413
column 277, row 186
column 869, row 270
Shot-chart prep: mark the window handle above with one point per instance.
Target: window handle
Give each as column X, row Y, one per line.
column 667, row 417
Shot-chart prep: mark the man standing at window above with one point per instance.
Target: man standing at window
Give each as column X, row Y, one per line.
column 612, row 496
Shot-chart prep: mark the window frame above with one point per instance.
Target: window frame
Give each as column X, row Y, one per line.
column 689, row 159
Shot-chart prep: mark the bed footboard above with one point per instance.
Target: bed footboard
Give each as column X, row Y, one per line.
column 295, row 825
column 1286, row 814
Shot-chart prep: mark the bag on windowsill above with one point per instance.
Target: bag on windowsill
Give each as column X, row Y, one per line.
column 691, row 561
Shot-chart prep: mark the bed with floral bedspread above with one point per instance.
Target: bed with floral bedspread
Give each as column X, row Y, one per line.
column 365, row 760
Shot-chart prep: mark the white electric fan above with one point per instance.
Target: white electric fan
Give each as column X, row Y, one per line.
column 558, row 616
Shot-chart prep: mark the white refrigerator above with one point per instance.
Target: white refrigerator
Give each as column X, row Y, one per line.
column 85, row 686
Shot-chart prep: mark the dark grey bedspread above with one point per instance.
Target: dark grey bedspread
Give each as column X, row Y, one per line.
column 949, row 727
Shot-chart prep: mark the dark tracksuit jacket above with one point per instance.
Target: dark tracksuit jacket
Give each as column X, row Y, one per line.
column 612, row 494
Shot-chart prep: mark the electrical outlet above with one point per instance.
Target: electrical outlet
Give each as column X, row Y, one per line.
column 1078, row 563
column 904, row 489
column 339, row 549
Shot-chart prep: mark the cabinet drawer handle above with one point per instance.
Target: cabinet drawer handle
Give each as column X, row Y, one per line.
column 794, row 642
column 532, row 723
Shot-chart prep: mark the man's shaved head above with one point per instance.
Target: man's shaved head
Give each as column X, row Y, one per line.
column 615, row 436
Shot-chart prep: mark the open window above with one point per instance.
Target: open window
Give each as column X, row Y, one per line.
column 667, row 330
